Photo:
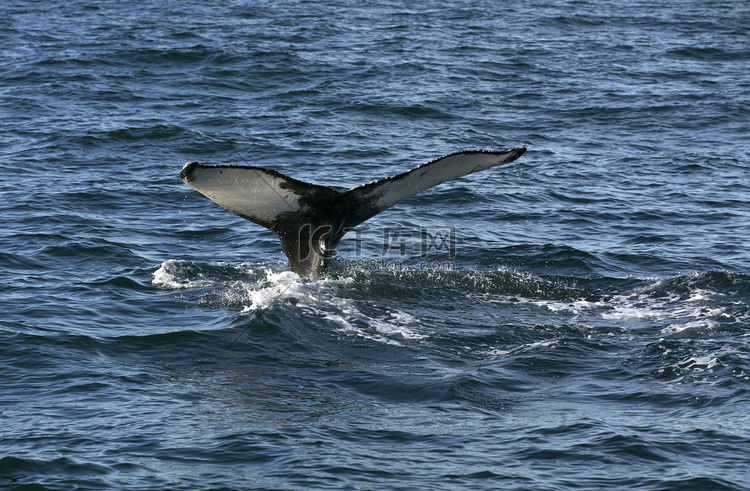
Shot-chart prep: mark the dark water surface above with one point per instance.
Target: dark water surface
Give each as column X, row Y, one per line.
column 591, row 331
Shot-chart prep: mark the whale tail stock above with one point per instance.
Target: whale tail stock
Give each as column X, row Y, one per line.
column 311, row 219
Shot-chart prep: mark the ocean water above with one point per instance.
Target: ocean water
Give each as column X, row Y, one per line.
column 577, row 319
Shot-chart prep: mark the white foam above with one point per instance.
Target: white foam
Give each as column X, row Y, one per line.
column 275, row 287
column 701, row 363
column 641, row 309
column 700, row 324
column 396, row 325
column 341, row 321
column 322, row 299
column 391, row 328
column 551, row 343
column 337, row 302
column 702, row 296
column 171, row 274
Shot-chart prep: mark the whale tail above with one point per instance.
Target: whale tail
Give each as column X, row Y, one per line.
column 309, row 219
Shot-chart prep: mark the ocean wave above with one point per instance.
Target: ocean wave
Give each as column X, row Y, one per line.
column 398, row 306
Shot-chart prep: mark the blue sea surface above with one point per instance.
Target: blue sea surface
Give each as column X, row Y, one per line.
column 577, row 319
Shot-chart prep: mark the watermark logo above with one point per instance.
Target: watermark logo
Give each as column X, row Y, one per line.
column 437, row 240
column 390, row 264
column 418, row 241
column 398, row 244
column 313, row 242
column 389, row 243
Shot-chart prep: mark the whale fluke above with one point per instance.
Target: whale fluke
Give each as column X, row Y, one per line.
column 311, row 219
